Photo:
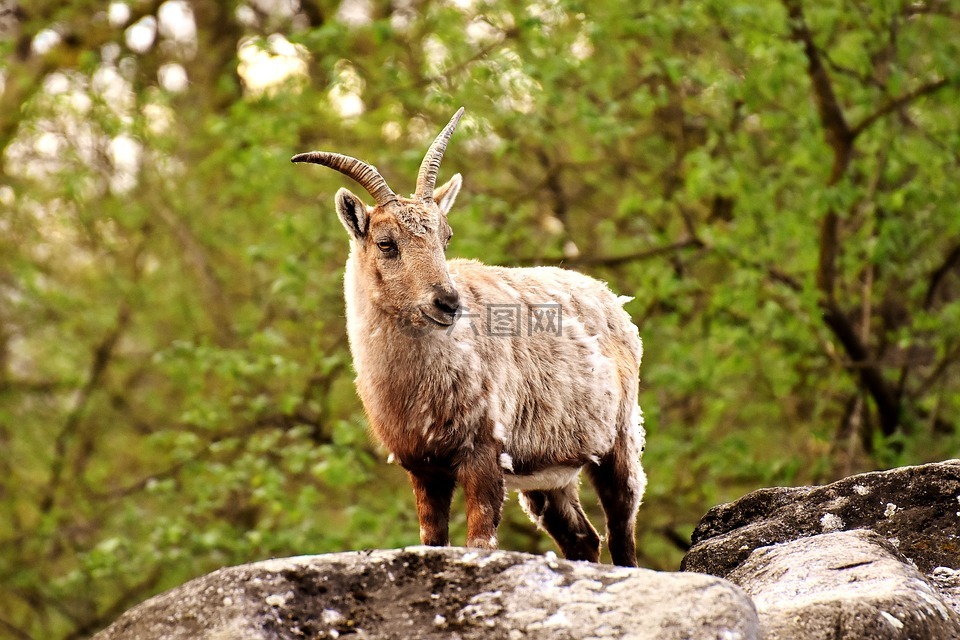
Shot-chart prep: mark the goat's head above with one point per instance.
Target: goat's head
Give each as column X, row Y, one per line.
column 400, row 243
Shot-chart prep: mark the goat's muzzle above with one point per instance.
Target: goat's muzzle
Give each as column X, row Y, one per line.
column 445, row 307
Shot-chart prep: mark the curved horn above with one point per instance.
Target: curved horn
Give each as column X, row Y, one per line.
column 430, row 167
column 365, row 174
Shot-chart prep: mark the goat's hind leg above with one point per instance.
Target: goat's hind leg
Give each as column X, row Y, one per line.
column 559, row 513
column 620, row 482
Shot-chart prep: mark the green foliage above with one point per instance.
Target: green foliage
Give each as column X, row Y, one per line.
column 175, row 385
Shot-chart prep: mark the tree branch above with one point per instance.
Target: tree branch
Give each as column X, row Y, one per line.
column 888, row 405
column 774, row 274
column 195, row 257
column 15, row 631
column 614, row 261
column 841, row 138
column 896, row 105
column 950, row 262
column 102, row 355
column 835, row 127
column 837, row 134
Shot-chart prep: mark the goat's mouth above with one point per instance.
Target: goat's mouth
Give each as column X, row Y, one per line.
column 438, row 318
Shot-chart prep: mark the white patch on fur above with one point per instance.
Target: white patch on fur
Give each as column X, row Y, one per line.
column 427, row 424
column 391, row 458
column 503, row 286
column 499, row 432
column 636, row 421
column 573, row 326
column 599, row 363
column 638, row 483
column 594, row 458
column 558, row 295
column 549, row 478
column 506, row 461
column 624, row 299
column 527, row 507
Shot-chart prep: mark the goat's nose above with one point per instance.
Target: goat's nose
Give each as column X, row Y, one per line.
column 447, row 300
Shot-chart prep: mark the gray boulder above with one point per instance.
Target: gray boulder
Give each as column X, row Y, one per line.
column 849, row 584
column 426, row 592
column 915, row 508
column 869, row 557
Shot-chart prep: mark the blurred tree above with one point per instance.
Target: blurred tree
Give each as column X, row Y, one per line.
column 775, row 182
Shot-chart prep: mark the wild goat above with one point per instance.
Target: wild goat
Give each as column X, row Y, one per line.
column 489, row 377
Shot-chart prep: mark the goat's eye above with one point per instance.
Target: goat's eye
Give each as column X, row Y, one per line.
column 387, row 246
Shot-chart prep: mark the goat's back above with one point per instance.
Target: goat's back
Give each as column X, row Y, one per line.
column 561, row 359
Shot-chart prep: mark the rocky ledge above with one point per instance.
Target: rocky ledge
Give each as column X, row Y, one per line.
column 429, row 592
column 870, row 557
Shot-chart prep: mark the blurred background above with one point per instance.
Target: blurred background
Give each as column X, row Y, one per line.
column 775, row 182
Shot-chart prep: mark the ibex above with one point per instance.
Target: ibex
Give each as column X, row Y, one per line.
column 489, row 377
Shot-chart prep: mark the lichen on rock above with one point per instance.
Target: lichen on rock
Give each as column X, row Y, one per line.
column 429, row 592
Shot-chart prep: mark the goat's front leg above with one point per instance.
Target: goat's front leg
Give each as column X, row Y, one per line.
column 434, row 493
column 481, row 476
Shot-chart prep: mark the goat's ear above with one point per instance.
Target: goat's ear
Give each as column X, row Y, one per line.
column 352, row 212
column 445, row 195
